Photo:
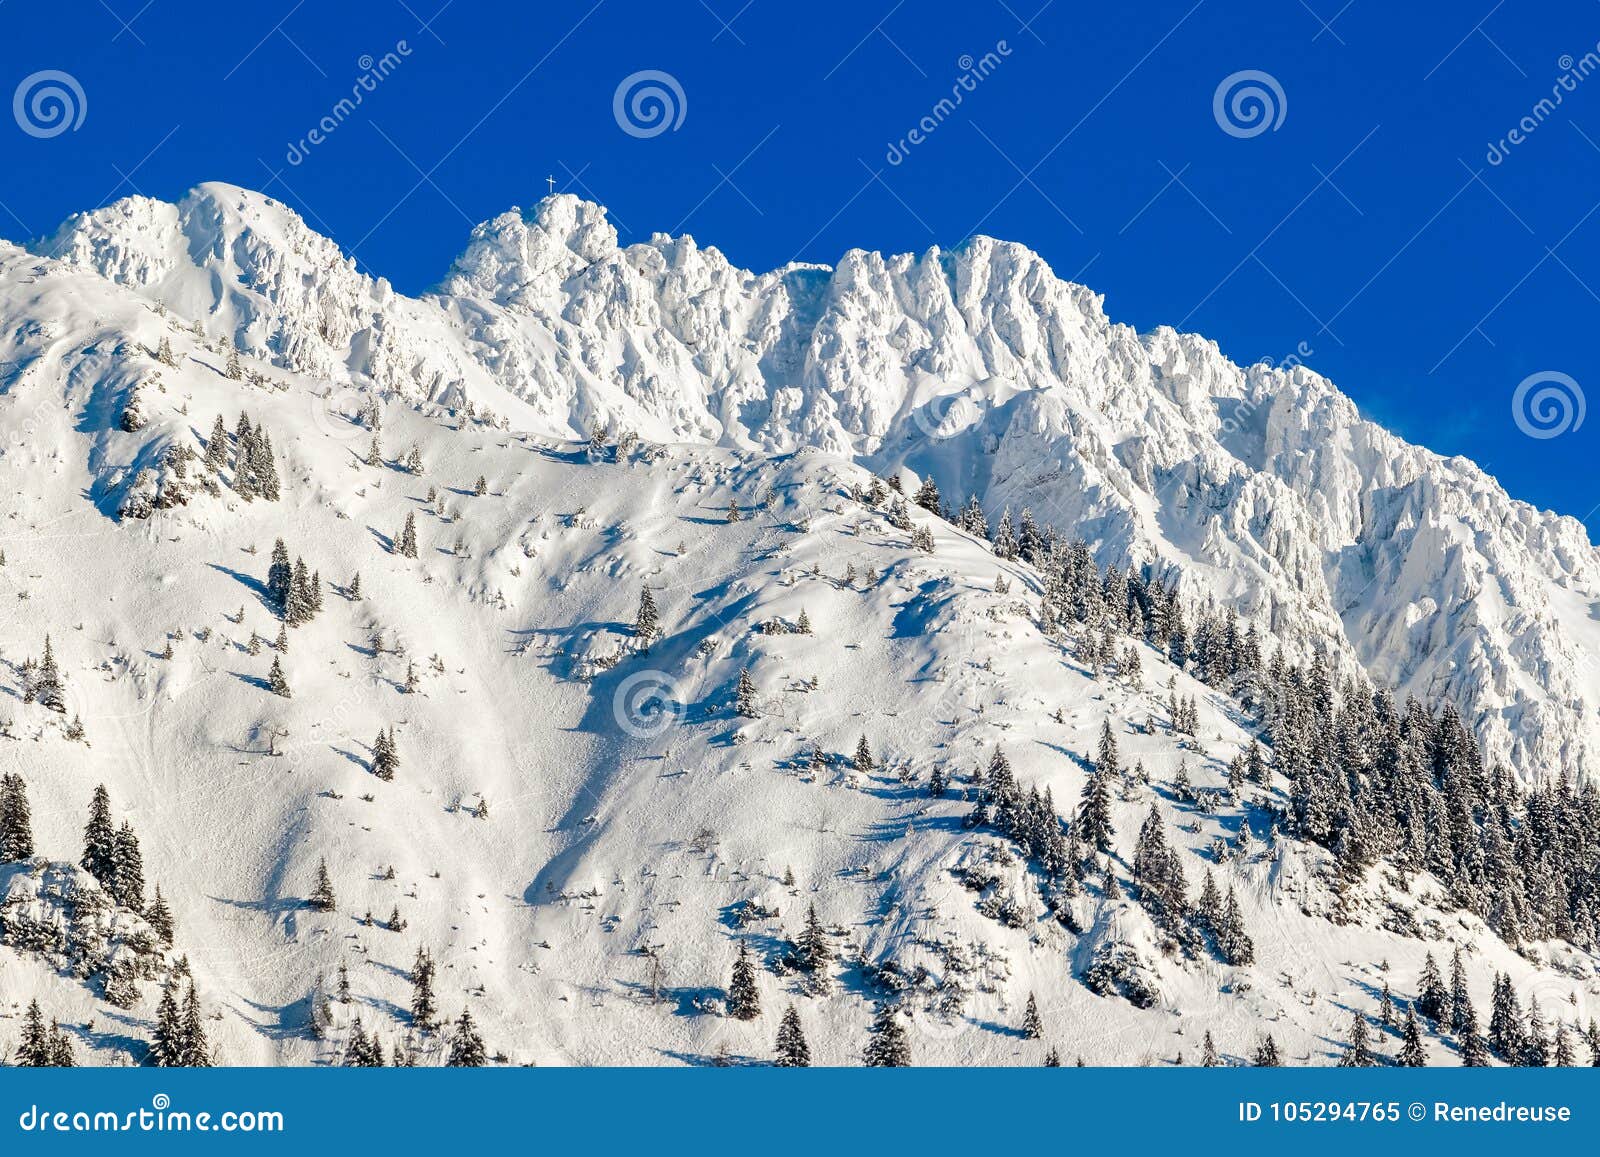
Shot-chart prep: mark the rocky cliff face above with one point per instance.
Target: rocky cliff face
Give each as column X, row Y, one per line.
column 977, row 367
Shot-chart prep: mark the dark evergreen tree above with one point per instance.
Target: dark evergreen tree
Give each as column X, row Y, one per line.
column 813, row 952
column 1412, row 1053
column 280, row 574
column 1358, row 1053
column 646, row 623
column 466, row 1046
column 744, row 997
column 322, row 898
column 889, row 1046
column 127, row 869
column 424, row 1005
column 744, row 698
column 34, row 1051
column 217, row 447
column 196, row 1049
column 1032, row 1025
column 99, row 837
column 1433, row 998
column 159, row 917
column 1474, row 1051
column 385, row 755
column 863, row 757
column 16, row 820
column 793, row 1052
column 166, row 1044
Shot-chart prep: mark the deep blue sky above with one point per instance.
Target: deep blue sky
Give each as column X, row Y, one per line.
column 1425, row 292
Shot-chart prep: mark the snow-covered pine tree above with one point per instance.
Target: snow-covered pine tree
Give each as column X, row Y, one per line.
column 744, row 997
column 276, row 682
column 166, row 1043
column 299, row 603
column 127, row 869
column 406, row 540
column 863, row 757
column 16, row 820
column 889, row 1046
column 1474, row 1051
column 133, row 416
column 1032, row 1025
column 1358, row 1052
column 792, row 1050
column 217, row 447
column 466, row 1046
column 196, row 1049
column 34, row 1049
column 1005, row 539
column 385, row 755
column 424, row 1005
column 280, row 576
column 647, row 622
column 263, row 466
column 813, row 952
column 744, row 699
column 322, row 897
column 1412, row 1054
column 46, row 682
column 1433, row 998
column 160, row 918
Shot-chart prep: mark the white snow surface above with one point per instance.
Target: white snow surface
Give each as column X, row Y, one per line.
column 608, row 832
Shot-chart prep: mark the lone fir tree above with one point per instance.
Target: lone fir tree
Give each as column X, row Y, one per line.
column 889, row 1046
column 793, row 1051
column 744, row 699
column 322, row 898
column 744, row 997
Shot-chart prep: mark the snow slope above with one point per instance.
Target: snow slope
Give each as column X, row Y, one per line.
column 628, row 808
column 976, row 366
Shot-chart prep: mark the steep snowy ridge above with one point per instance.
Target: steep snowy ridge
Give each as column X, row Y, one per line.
column 977, row 367
column 583, row 833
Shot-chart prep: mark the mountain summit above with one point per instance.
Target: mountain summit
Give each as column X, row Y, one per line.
column 978, row 367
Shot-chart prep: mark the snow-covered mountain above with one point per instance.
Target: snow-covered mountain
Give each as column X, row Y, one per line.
column 583, row 829
column 979, row 367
